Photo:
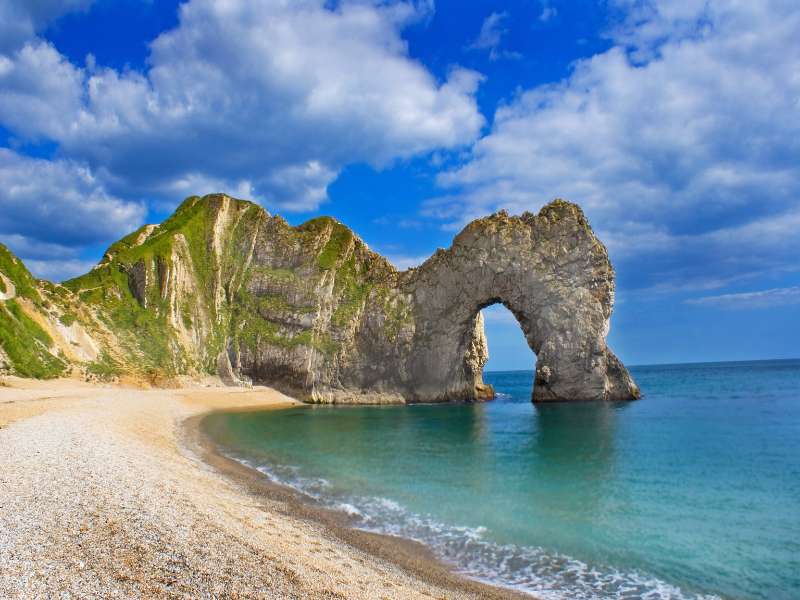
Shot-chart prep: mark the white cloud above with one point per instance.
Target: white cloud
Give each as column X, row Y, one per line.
column 40, row 92
column 397, row 221
column 50, row 208
column 760, row 299
column 58, row 270
column 491, row 32
column 548, row 12
column 675, row 141
column 21, row 19
column 491, row 35
column 271, row 97
column 32, row 248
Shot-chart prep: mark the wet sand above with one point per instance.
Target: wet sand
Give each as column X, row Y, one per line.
column 114, row 491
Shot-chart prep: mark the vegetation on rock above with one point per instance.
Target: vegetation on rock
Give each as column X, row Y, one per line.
column 26, row 344
column 223, row 287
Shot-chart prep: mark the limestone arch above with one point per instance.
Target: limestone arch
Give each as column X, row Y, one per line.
column 554, row 276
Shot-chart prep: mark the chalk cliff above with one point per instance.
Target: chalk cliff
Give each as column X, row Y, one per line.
column 222, row 287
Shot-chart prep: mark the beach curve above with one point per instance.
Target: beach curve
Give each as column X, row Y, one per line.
column 112, row 490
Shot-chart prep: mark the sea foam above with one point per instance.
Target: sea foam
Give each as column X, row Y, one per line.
column 540, row 572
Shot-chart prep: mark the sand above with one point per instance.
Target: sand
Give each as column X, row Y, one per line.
column 113, row 492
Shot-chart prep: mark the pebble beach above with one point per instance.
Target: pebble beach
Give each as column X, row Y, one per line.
column 103, row 494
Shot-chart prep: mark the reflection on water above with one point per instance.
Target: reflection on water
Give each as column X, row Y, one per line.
column 574, row 448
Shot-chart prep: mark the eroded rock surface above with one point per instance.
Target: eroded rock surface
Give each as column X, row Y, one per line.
column 554, row 276
column 223, row 287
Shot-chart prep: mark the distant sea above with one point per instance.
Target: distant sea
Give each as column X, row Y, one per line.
column 692, row 492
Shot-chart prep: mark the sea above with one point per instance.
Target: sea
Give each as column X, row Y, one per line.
column 691, row 492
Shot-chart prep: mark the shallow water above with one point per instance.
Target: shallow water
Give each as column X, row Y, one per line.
column 692, row 492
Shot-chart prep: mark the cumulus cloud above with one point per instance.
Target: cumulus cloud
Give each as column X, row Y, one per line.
column 59, row 201
column 747, row 300
column 681, row 142
column 58, row 270
column 48, row 209
column 41, row 92
column 20, row 20
column 271, row 97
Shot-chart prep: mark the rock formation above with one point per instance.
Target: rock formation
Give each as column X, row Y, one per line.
column 223, row 287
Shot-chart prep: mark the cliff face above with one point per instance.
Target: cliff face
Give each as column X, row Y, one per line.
column 222, row 287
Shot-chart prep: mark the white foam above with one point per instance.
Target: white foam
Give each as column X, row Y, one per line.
column 349, row 509
column 545, row 574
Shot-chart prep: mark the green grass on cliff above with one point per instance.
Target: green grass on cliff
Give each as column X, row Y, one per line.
column 338, row 255
column 104, row 368
column 26, row 344
column 275, row 274
column 257, row 320
column 352, row 291
column 339, row 241
column 145, row 331
column 68, row 318
column 337, row 245
column 271, row 304
column 321, row 248
column 126, row 243
column 22, row 279
column 142, row 333
column 255, row 331
column 399, row 314
column 191, row 219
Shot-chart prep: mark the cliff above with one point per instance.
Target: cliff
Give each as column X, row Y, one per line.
column 222, row 287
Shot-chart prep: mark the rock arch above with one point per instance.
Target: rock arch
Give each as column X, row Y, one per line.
column 552, row 273
column 224, row 286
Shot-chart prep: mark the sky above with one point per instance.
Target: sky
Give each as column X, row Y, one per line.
column 674, row 124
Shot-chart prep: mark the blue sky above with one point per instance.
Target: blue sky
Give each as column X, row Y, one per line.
column 675, row 124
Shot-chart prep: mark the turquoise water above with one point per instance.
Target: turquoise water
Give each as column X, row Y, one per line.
column 692, row 492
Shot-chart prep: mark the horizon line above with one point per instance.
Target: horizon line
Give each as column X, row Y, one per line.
column 670, row 364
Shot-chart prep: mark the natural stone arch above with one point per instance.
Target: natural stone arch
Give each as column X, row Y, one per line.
column 552, row 273
column 222, row 285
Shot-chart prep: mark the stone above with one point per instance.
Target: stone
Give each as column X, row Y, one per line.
column 223, row 287
column 137, row 282
column 554, row 276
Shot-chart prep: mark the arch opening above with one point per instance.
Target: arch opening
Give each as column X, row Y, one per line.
column 509, row 346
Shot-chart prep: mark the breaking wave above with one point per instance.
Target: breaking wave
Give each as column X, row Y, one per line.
column 535, row 570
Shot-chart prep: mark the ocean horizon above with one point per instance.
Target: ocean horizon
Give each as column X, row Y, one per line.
column 672, row 364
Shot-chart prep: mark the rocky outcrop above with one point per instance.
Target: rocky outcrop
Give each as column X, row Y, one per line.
column 223, row 287
column 554, row 276
column 137, row 282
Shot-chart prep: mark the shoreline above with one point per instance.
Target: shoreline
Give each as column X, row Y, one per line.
column 114, row 490
column 410, row 555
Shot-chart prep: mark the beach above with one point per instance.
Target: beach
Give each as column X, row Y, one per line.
column 112, row 491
